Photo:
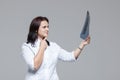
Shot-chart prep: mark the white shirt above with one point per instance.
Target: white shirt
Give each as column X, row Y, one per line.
column 52, row 54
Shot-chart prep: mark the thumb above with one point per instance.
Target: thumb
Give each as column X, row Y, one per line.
column 45, row 38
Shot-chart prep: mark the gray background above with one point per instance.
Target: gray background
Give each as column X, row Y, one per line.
column 98, row 61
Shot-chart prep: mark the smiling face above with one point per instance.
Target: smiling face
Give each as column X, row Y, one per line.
column 43, row 29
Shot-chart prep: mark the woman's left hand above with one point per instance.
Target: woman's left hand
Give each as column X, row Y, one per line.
column 85, row 42
column 81, row 46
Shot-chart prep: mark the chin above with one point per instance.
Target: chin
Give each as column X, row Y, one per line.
column 46, row 35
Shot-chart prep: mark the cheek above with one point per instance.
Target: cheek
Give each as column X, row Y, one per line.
column 40, row 32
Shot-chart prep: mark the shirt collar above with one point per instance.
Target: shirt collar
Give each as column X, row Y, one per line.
column 37, row 42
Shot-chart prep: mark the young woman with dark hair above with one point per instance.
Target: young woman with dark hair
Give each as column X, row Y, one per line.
column 41, row 56
column 33, row 30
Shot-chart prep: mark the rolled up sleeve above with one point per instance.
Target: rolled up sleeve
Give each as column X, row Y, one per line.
column 28, row 56
column 66, row 56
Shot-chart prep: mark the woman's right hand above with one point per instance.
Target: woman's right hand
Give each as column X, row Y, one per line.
column 39, row 57
column 43, row 44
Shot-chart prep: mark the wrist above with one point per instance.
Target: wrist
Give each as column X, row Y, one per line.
column 80, row 48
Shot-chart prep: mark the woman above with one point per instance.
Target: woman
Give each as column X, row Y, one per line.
column 41, row 56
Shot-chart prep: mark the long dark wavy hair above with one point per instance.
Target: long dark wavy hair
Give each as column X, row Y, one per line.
column 33, row 29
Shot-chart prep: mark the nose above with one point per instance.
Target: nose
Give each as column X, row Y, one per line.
column 47, row 28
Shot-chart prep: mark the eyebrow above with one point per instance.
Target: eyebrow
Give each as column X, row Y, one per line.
column 45, row 26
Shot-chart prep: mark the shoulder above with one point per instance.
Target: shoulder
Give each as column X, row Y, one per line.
column 27, row 48
column 55, row 45
column 27, row 45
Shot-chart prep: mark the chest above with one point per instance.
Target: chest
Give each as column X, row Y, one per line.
column 50, row 55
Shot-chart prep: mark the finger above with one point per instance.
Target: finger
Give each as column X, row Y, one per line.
column 87, row 38
column 45, row 38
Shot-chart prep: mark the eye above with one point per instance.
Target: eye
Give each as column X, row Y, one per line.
column 45, row 26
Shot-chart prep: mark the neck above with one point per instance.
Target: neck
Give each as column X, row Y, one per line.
column 41, row 38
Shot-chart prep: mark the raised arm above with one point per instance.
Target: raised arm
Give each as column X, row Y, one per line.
column 77, row 52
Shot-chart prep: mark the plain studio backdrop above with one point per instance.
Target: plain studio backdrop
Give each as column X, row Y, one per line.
column 98, row 61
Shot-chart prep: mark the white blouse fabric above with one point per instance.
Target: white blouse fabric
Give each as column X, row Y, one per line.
column 52, row 54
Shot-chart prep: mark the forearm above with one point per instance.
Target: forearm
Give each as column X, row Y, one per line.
column 38, row 59
column 78, row 51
